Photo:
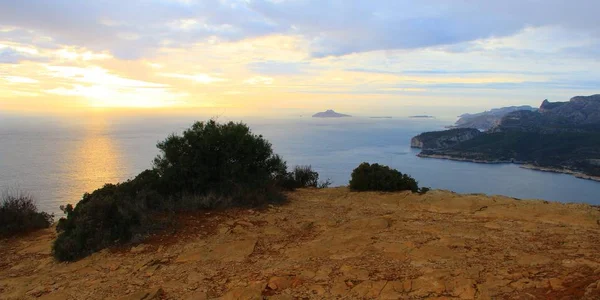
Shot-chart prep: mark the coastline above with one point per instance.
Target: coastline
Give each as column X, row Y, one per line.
column 523, row 165
column 563, row 171
column 479, row 161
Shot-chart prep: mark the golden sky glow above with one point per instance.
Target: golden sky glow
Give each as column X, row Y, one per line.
column 262, row 73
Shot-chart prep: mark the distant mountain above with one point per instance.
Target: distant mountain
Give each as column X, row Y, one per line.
column 329, row 114
column 487, row 119
column 560, row 136
column 581, row 113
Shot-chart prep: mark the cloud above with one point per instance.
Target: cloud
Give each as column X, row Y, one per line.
column 259, row 80
column 341, row 27
column 139, row 28
column 272, row 68
column 12, row 56
column 20, row 79
column 200, row 78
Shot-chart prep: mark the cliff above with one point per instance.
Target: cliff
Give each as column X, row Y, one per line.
column 488, row 119
column 443, row 139
column 580, row 114
column 560, row 137
column 579, row 110
column 333, row 243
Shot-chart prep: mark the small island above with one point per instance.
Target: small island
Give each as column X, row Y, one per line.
column 422, row 117
column 330, row 114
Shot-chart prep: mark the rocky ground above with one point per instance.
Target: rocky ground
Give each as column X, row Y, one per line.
column 334, row 243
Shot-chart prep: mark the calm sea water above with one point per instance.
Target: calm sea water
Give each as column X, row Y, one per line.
column 57, row 160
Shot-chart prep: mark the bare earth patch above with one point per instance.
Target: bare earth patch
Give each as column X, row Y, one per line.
column 334, row 243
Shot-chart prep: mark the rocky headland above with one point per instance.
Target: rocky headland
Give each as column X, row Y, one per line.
column 333, row 243
column 443, row 139
column 558, row 137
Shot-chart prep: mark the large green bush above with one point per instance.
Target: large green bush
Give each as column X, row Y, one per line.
column 211, row 165
column 19, row 214
column 222, row 159
column 375, row 177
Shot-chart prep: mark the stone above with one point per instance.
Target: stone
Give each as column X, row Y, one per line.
column 199, row 295
column 428, row 284
column 317, row 290
column 281, row 283
column 339, row 288
column 354, row 273
column 245, row 223
column 367, row 289
column 252, row 292
column 395, row 289
column 281, row 297
column 462, row 288
column 195, row 277
column 139, row 248
column 152, row 294
column 233, row 251
column 307, row 275
column 323, row 274
column 556, row 283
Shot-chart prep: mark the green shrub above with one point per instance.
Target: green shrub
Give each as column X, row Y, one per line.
column 221, row 159
column 110, row 215
column 19, row 214
column 303, row 177
column 375, row 177
column 424, row 190
column 211, row 165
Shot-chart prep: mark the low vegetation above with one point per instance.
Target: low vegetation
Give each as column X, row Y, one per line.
column 302, row 177
column 211, row 165
column 376, row 177
column 573, row 150
column 19, row 214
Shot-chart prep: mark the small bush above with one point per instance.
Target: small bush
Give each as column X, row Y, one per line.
column 303, row 177
column 103, row 218
column 375, row 177
column 424, row 190
column 19, row 214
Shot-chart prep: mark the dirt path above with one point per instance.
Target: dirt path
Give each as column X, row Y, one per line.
column 333, row 243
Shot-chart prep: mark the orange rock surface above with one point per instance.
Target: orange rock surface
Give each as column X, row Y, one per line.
column 333, row 243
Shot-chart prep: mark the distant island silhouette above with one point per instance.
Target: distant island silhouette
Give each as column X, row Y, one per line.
column 329, row 114
column 422, row 117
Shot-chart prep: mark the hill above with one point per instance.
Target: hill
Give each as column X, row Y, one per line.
column 559, row 137
column 333, row 243
column 488, row 119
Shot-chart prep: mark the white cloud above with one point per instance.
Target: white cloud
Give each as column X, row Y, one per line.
column 259, row 80
column 19, row 79
column 200, row 78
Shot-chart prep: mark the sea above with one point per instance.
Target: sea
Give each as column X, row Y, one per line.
column 58, row 159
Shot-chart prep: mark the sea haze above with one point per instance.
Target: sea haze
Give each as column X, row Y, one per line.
column 57, row 160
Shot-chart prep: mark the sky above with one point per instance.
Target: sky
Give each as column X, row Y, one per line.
column 288, row 57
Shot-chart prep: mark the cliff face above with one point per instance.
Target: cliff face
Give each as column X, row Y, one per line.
column 335, row 244
column 580, row 114
column 561, row 136
column 443, row 139
column 488, row 119
column 579, row 110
